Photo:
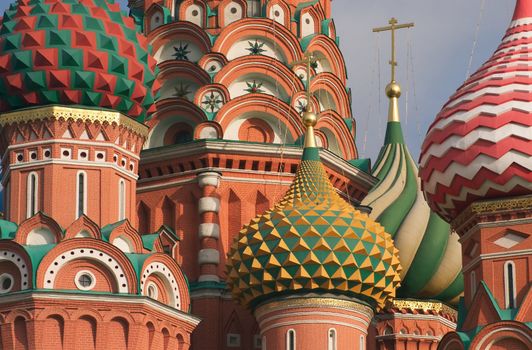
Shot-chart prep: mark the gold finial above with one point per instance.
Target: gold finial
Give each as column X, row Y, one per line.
column 310, row 119
column 393, row 90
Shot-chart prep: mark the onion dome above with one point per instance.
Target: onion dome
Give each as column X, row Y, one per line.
column 313, row 241
column 74, row 52
column 429, row 252
column 480, row 145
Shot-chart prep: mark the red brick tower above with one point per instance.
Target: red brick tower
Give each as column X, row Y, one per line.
column 476, row 172
column 225, row 140
column 75, row 86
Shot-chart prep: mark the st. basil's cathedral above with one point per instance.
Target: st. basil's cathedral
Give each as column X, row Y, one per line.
column 186, row 176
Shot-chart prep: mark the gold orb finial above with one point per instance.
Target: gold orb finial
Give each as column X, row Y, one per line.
column 393, row 90
column 310, row 119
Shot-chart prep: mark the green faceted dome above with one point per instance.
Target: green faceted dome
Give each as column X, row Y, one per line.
column 313, row 241
column 74, row 52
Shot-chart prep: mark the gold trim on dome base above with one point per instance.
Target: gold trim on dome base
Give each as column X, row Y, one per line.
column 425, row 306
column 311, row 302
column 477, row 212
column 66, row 113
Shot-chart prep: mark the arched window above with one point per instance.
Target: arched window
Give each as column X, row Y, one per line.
column 473, row 283
column 121, row 199
column 32, row 192
column 253, row 8
column 81, row 193
column 509, row 285
column 362, row 344
column 331, row 339
column 291, row 340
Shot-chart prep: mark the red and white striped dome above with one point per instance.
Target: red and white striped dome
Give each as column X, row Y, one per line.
column 480, row 145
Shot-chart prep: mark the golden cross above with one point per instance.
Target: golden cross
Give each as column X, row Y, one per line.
column 308, row 60
column 393, row 27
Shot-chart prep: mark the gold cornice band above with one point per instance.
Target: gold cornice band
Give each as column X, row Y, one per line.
column 426, row 306
column 315, row 302
column 502, row 204
column 66, row 113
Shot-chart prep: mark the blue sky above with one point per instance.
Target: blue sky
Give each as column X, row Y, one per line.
column 440, row 47
column 433, row 58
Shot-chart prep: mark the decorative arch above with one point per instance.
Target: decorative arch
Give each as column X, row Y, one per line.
column 83, row 224
column 169, row 112
column 74, row 249
column 337, row 95
column 14, row 314
column 230, row 11
column 37, row 221
column 215, row 93
column 256, row 130
column 262, row 66
column 278, row 11
column 155, row 16
column 47, row 312
column 309, row 22
column 266, row 105
column 87, row 312
column 184, row 70
column 17, row 255
column 330, row 120
column 163, row 38
column 213, row 59
column 208, row 130
column 126, row 230
column 259, row 27
column 325, row 48
column 497, row 331
column 193, row 11
column 164, row 266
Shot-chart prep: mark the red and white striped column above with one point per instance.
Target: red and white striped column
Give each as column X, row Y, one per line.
column 209, row 228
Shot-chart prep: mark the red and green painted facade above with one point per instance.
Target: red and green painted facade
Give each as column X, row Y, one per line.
column 135, row 148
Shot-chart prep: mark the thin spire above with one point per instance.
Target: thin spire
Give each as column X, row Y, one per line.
column 393, row 90
column 310, row 119
column 523, row 9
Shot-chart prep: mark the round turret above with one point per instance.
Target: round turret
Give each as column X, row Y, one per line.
column 83, row 53
column 479, row 146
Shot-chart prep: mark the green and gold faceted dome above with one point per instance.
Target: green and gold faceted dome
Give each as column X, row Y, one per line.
column 74, row 52
column 313, row 241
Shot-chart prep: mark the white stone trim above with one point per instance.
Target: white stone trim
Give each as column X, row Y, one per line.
column 209, row 179
column 289, row 332
column 69, row 163
column 498, row 330
column 85, row 193
column 89, row 298
column 33, row 192
column 89, row 253
column 209, row 230
column 209, row 278
column 509, row 299
column 209, row 256
column 162, row 270
column 429, row 318
column 72, row 142
column 122, row 198
column 509, row 254
column 20, row 264
column 79, row 285
column 322, row 321
column 329, row 159
column 3, row 277
column 208, row 204
column 316, row 314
